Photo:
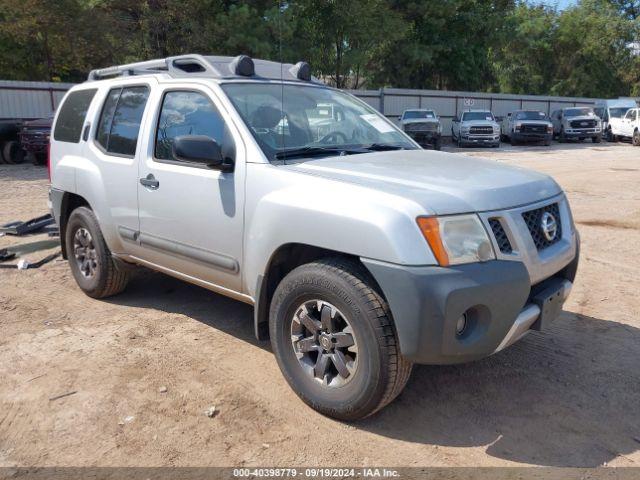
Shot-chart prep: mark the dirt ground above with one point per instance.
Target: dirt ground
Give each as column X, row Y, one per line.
column 569, row 396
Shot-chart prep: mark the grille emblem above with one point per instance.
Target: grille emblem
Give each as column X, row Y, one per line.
column 549, row 226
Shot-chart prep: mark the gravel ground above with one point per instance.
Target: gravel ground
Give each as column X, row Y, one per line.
column 129, row 381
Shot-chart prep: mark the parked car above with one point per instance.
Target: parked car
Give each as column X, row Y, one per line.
column 10, row 150
column 34, row 138
column 527, row 126
column 630, row 126
column 423, row 126
column 611, row 112
column 576, row 123
column 475, row 127
column 361, row 253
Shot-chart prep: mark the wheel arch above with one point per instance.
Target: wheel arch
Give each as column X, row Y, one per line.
column 70, row 201
column 285, row 259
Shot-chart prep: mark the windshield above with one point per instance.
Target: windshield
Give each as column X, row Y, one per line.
column 466, row 116
column 531, row 116
column 618, row 112
column 411, row 114
column 286, row 118
column 578, row 112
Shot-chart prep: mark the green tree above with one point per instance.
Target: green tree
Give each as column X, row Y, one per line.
column 525, row 62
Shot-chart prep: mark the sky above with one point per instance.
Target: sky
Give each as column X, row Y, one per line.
column 562, row 4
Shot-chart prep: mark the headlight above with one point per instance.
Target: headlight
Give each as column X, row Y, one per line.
column 457, row 239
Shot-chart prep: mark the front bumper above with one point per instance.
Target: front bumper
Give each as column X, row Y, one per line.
column 582, row 132
column 497, row 297
column 531, row 137
column 466, row 139
column 424, row 138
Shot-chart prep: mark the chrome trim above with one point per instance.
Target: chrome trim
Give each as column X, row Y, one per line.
column 526, row 318
column 540, row 264
column 520, row 327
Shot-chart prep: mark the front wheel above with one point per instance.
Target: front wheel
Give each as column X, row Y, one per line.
column 334, row 340
column 635, row 140
column 561, row 137
column 94, row 268
column 596, row 139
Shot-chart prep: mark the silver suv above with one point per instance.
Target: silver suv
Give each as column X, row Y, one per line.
column 360, row 252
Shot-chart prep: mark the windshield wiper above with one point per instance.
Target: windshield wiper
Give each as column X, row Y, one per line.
column 312, row 151
column 379, row 147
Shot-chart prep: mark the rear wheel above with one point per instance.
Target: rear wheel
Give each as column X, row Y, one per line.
column 334, row 340
column 12, row 152
column 94, row 268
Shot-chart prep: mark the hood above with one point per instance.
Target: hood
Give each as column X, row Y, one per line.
column 533, row 122
column 419, row 120
column 479, row 123
column 442, row 183
column 583, row 117
column 40, row 122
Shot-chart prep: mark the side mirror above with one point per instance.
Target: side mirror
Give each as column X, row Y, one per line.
column 198, row 149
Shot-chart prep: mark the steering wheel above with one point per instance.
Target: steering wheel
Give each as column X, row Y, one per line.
column 335, row 136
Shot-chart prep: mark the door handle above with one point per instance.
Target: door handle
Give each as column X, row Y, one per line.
column 150, row 182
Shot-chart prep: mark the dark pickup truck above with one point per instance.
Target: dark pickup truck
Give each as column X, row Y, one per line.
column 34, row 138
column 10, row 150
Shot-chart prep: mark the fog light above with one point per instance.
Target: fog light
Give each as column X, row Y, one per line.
column 461, row 324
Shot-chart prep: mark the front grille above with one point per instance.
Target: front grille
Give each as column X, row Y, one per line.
column 501, row 237
column 583, row 123
column 421, row 127
column 533, row 219
column 481, row 130
column 529, row 128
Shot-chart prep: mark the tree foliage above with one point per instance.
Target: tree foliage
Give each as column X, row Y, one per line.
column 516, row 46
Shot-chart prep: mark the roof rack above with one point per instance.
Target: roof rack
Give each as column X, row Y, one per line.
column 211, row 67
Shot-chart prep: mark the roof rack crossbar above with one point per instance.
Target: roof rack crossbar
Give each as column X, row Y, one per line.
column 138, row 68
column 194, row 65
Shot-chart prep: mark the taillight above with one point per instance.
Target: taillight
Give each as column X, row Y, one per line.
column 49, row 160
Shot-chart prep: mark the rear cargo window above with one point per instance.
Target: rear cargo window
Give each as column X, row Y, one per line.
column 120, row 120
column 71, row 117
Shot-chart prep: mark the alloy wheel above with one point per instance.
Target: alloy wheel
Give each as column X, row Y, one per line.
column 324, row 343
column 85, row 253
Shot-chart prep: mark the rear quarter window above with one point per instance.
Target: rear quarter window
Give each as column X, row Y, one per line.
column 71, row 117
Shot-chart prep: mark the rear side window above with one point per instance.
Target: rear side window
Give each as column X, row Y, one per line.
column 119, row 122
column 186, row 113
column 71, row 117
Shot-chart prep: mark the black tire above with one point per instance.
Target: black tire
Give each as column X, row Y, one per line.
column 380, row 373
column 39, row 159
column 438, row 144
column 12, row 152
column 610, row 136
column 635, row 140
column 596, row 139
column 108, row 278
column 561, row 136
column 547, row 143
column 513, row 141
